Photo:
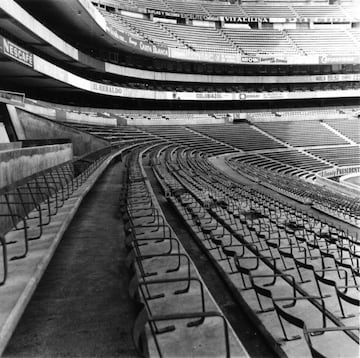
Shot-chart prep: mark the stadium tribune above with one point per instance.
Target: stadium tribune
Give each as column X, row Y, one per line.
column 179, row 178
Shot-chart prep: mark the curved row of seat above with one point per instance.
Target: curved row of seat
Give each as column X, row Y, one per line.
column 272, row 9
column 113, row 134
column 336, row 204
column 271, row 252
column 177, row 315
column 279, row 167
column 281, row 170
column 273, row 162
column 34, row 214
column 298, row 274
column 302, row 133
column 245, row 40
column 242, row 136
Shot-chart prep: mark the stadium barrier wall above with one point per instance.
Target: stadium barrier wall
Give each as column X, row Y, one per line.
column 33, row 26
column 340, row 187
column 19, row 163
column 46, row 68
column 33, row 126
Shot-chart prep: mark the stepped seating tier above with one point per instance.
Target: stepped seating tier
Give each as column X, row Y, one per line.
column 302, row 133
column 349, row 127
column 152, row 31
column 340, row 156
column 289, row 42
column 182, row 136
column 245, row 232
column 324, row 42
column 250, row 8
column 261, row 41
column 201, row 38
column 299, row 160
column 241, row 136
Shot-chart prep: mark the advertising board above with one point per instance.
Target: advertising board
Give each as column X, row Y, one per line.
column 17, row 53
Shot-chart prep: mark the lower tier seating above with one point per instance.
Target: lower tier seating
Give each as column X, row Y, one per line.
column 177, row 316
column 301, row 133
column 287, row 265
column 290, row 183
column 241, row 135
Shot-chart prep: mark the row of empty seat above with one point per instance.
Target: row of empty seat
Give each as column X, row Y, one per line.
column 247, row 41
column 287, row 9
column 283, row 262
column 178, row 315
column 302, row 133
column 242, row 136
column 339, row 156
column 290, row 182
column 189, row 138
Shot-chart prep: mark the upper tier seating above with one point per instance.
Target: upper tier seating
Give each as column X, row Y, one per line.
column 254, row 8
column 355, row 33
column 324, row 42
column 223, row 9
column 201, row 38
column 261, row 10
column 115, row 21
column 151, row 4
column 301, row 133
column 238, row 40
column 152, row 31
column 261, row 41
column 241, row 136
column 352, row 10
column 322, row 11
column 186, row 7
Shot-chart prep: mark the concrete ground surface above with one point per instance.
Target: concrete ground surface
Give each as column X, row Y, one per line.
column 81, row 307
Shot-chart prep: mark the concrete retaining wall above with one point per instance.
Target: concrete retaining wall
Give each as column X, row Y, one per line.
column 31, row 126
column 89, row 119
column 340, row 187
column 17, row 164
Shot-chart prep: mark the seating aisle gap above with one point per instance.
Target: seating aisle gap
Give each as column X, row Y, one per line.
column 81, row 307
column 254, row 343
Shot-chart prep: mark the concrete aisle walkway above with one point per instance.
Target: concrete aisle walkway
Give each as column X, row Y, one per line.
column 81, row 307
